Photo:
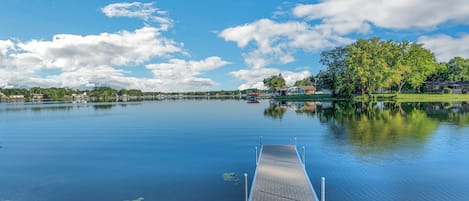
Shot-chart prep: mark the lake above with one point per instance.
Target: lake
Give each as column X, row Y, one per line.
column 199, row 149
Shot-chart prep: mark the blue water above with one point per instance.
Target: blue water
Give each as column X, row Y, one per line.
column 179, row 150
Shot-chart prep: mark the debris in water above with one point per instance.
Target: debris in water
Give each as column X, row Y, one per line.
column 138, row 199
column 231, row 177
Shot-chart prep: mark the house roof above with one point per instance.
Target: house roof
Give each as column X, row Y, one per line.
column 308, row 87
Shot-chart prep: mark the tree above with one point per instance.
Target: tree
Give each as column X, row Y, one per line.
column 336, row 77
column 458, row 69
column 275, row 81
column 309, row 81
column 367, row 61
column 414, row 63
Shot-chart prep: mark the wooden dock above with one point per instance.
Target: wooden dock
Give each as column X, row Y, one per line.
column 280, row 176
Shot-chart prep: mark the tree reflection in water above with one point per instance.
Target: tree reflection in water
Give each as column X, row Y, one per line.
column 378, row 127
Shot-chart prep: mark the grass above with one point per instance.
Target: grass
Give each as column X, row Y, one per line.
column 323, row 97
column 382, row 97
column 415, row 97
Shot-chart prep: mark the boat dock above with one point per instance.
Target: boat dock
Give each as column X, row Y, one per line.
column 280, row 176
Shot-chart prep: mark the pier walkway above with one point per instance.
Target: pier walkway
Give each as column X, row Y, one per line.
column 280, row 176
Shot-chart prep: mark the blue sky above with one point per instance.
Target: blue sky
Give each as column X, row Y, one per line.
column 176, row 45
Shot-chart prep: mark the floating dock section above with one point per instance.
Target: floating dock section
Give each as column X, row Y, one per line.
column 281, row 176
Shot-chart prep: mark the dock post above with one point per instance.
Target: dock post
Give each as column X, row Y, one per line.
column 303, row 156
column 260, row 140
column 246, row 186
column 295, row 141
column 257, row 157
column 323, row 189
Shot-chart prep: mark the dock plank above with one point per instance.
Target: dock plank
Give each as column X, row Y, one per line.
column 280, row 176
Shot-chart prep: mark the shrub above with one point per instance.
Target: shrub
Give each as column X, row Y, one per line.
column 447, row 90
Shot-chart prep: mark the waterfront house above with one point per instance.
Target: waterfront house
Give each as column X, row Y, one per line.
column 38, row 96
column 457, row 87
column 3, row 96
column 309, row 90
column 295, row 91
column 80, row 97
column 16, row 96
column 280, row 91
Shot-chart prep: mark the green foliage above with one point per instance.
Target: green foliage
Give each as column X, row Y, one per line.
column 309, row 81
column 415, row 64
column 447, row 90
column 103, row 93
column 458, row 69
column 275, row 81
column 275, row 111
column 130, row 92
column 336, row 77
column 371, row 64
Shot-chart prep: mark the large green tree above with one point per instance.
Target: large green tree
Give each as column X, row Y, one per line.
column 367, row 61
column 275, row 81
column 336, row 77
column 458, row 69
column 414, row 63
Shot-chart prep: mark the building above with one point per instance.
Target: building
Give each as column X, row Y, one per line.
column 38, row 96
column 457, row 87
column 16, row 96
column 295, row 91
column 3, row 96
column 309, row 90
column 280, row 91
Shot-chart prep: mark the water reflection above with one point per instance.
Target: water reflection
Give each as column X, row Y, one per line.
column 378, row 127
column 59, row 107
column 276, row 110
column 103, row 106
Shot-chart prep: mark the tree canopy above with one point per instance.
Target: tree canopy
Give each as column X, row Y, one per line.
column 275, row 81
column 371, row 64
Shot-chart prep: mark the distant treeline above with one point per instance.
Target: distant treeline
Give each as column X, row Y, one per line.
column 61, row 93
column 102, row 93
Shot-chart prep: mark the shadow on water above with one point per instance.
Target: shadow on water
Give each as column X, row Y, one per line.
column 374, row 128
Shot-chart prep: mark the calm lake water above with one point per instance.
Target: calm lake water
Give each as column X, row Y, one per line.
column 180, row 150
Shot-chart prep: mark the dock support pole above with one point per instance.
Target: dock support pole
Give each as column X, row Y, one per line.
column 303, row 156
column 260, row 141
column 246, row 186
column 257, row 157
column 295, row 141
column 323, row 189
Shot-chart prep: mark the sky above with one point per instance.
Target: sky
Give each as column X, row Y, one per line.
column 187, row 45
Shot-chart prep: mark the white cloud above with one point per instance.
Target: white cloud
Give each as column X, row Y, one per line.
column 277, row 41
column 183, row 75
column 69, row 52
column 144, row 11
column 5, row 45
column 253, row 78
column 85, row 61
column 347, row 16
column 446, row 47
column 91, row 60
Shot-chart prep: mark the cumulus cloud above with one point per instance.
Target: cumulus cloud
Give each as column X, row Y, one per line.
column 69, row 52
column 275, row 42
column 144, row 11
column 446, row 47
column 253, row 78
column 91, row 60
column 86, row 61
column 346, row 16
column 180, row 75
